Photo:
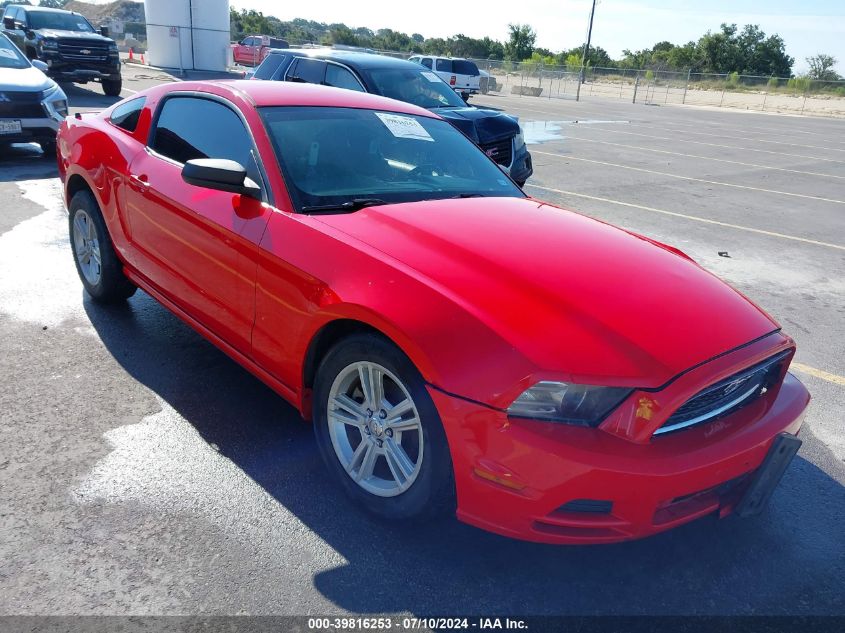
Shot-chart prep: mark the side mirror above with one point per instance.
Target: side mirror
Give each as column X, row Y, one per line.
column 104, row 31
column 9, row 23
column 220, row 174
column 39, row 65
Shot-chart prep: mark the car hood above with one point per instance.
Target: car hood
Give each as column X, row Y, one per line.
column 479, row 124
column 23, row 80
column 82, row 35
column 575, row 296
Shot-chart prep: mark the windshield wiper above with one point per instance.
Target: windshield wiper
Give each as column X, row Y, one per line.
column 468, row 195
column 348, row 206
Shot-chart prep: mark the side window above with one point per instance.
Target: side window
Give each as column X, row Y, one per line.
column 126, row 116
column 22, row 17
column 13, row 13
column 269, row 66
column 193, row 127
column 307, row 70
column 339, row 77
column 444, row 65
column 426, row 62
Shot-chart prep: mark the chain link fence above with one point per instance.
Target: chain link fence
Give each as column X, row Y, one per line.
column 797, row 95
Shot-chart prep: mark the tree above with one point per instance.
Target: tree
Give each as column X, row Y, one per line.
column 821, row 67
column 520, row 43
column 53, row 4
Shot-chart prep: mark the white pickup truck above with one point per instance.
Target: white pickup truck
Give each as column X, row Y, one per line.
column 462, row 74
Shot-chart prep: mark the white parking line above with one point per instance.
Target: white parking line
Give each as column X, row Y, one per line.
column 765, row 130
column 678, row 141
column 689, row 217
column 720, row 160
column 664, row 126
column 690, row 178
column 819, row 373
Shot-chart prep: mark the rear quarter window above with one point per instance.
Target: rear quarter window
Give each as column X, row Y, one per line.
column 443, row 65
column 126, row 115
column 269, row 66
column 464, row 67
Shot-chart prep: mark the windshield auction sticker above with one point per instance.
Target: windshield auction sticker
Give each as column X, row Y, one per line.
column 404, row 126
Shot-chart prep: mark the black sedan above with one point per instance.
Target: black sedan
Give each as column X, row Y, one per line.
column 497, row 133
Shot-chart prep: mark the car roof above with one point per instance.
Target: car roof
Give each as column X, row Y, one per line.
column 355, row 59
column 283, row 93
column 35, row 8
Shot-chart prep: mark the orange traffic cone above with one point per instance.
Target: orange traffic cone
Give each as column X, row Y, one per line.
column 131, row 54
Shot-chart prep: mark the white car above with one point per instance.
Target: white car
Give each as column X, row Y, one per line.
column 31, row 104
column 462, row 74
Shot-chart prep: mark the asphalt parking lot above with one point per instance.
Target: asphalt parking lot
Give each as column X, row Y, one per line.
column 143, row 472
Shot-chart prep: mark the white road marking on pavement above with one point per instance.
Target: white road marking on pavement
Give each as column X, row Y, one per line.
column 720, row 160
column 666, row 128
column 679, row 141
column 688, row 217
column 690, row 178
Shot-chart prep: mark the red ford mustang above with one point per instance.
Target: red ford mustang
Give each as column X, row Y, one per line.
column 458, row 345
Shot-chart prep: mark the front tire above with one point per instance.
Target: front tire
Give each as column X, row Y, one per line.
column 99, row 268
column 48, row 148
column 379, row 432
column 112, row 87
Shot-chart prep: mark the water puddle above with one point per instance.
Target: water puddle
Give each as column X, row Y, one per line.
column 537, row 132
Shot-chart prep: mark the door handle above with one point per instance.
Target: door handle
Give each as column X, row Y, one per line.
column 139, row 183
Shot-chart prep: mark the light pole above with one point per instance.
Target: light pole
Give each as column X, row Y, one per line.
column 584, row 53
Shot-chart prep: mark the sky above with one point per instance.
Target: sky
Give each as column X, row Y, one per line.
column 807, row 26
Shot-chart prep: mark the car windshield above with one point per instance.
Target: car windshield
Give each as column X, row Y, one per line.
column 10, row 56
column 420, row 87
column 342, row 156
column 59, row 21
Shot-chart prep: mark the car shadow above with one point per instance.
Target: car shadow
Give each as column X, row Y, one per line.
column 788, row 560
column 26, row 161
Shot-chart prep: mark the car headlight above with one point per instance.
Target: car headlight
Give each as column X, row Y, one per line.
column 49, row 91
column 581, row 405
column 519, row 140
column 50, row 44
column 60, row 107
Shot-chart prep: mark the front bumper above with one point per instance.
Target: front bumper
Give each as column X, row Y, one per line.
column 78, row 71
column 521, row 167
column 513, row 476
column 35, row 130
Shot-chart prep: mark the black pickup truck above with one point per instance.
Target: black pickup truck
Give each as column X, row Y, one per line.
column 64, row 40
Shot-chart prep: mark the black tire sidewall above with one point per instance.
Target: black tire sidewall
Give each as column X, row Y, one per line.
column 113, row 286
column 432, row 492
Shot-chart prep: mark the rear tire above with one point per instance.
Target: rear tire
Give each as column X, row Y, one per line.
column 112, row 87
column 391, row 458
column 96, row 262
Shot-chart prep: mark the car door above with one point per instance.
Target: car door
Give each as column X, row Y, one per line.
column 243, row 51
column 18, row 33
column 197, row 245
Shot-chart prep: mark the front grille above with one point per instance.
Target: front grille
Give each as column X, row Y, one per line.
column 21, row 105
column 499, row 151
column 726, row 396
column 71, row 49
